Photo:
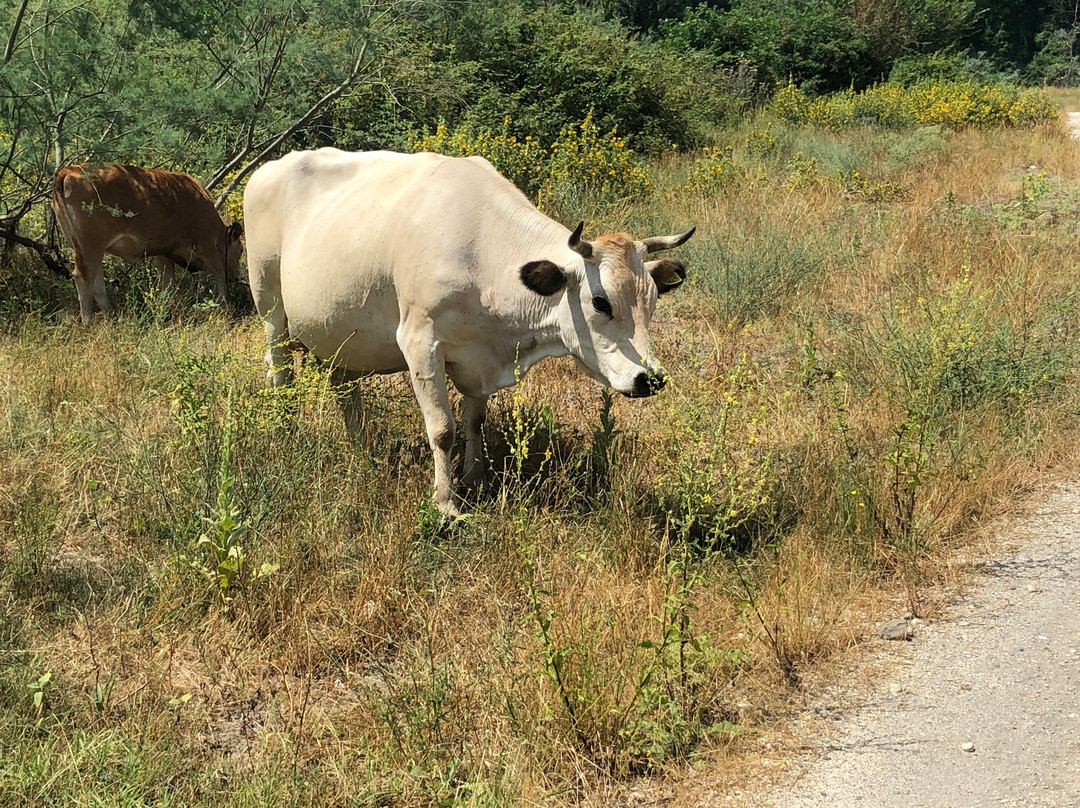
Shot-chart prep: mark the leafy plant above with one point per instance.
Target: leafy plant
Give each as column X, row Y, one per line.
column 714, row 171
column 602, row 454
column 37, row 690
column 948, row 104
column 224, row 560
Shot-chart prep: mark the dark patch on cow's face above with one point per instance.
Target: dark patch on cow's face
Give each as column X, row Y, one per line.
column 667, row 274
column 543, row 277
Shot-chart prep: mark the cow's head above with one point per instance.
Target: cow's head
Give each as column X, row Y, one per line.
column 233, row 248
column 609, row 294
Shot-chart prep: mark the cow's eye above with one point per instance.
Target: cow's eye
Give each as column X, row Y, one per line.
column 602, row 305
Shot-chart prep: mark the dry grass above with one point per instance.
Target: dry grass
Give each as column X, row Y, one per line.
column 856, row 385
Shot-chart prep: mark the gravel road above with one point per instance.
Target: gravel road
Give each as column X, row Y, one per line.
column 1073, row 122
column 981, row 709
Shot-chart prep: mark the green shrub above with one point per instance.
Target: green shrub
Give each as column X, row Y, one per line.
column 950, row 104
column 581, row 169
column 944, row 66
column 548, row 68
column 751, row 275
column 714, row 171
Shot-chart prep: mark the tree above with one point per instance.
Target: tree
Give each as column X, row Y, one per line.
column 212, row 87
column 822, row 45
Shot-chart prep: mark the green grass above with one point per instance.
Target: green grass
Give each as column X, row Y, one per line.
column 854, row 384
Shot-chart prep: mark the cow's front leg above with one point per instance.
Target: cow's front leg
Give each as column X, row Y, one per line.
column 474, row 411
column 279, row 357
column 427, row 371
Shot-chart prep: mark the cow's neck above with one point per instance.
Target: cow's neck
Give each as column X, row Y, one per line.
column 534, row 333
column 532, row 323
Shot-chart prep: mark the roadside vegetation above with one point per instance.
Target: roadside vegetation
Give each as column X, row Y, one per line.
column 210, row 595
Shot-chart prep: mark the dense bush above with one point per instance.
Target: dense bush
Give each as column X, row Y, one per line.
column 817, row 45
column 947, row 66
column 481, row 63
column 547, row 69
column 951, row 104
column 581, row 167
column 822, row 46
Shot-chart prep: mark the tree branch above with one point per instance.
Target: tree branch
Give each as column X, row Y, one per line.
column 10, row 49
column 266, row 85
column 43, row 250
column 317, row 107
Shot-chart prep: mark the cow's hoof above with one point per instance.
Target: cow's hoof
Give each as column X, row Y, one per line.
column 448, row 510
column 435, row 520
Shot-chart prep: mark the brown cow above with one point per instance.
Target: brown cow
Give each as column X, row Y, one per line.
column 132, row 212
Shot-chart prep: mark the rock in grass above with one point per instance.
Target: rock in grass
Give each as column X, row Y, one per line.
column 898, row 629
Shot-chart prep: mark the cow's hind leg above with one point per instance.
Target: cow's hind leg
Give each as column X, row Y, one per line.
column 90, row 284
column 427, row 371
column 351, row 401
column 86, row 298
column 474, row 411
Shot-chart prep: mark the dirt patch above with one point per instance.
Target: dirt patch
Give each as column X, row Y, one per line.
column 982, row 709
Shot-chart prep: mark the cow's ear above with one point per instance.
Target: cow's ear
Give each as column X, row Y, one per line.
column 667, row 273
column 236, row 229
column 543, row 277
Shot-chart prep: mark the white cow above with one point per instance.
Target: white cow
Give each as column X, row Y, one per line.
column 385, row 262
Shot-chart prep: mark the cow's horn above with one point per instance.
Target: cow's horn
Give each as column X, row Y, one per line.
column 582, row 248
column 657, row 243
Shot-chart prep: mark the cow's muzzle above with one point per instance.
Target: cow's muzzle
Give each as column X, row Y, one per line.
column 647, row 384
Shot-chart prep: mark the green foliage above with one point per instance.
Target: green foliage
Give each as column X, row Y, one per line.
column 830, row 46
column 714, row 171
column 224, row 560
column 658, row 706
column 37, row 690
column 589, row 169
column 752, row 274
column 527, row 426
column 853, row 185
column 953, row 356
column 718, row 481
column 815, row 43
column 602, row 455
column 954, row 351
column 1007, row 30
column 196, row 88
column 672, row 717
column 944, row 67
column 1056, row 61
column 547, row 68
column 924, row 145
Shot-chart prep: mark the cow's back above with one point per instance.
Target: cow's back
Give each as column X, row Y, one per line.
column 345, row 241
column 130, row 211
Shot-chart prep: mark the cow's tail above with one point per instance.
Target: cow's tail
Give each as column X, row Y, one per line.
column 61, row 191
